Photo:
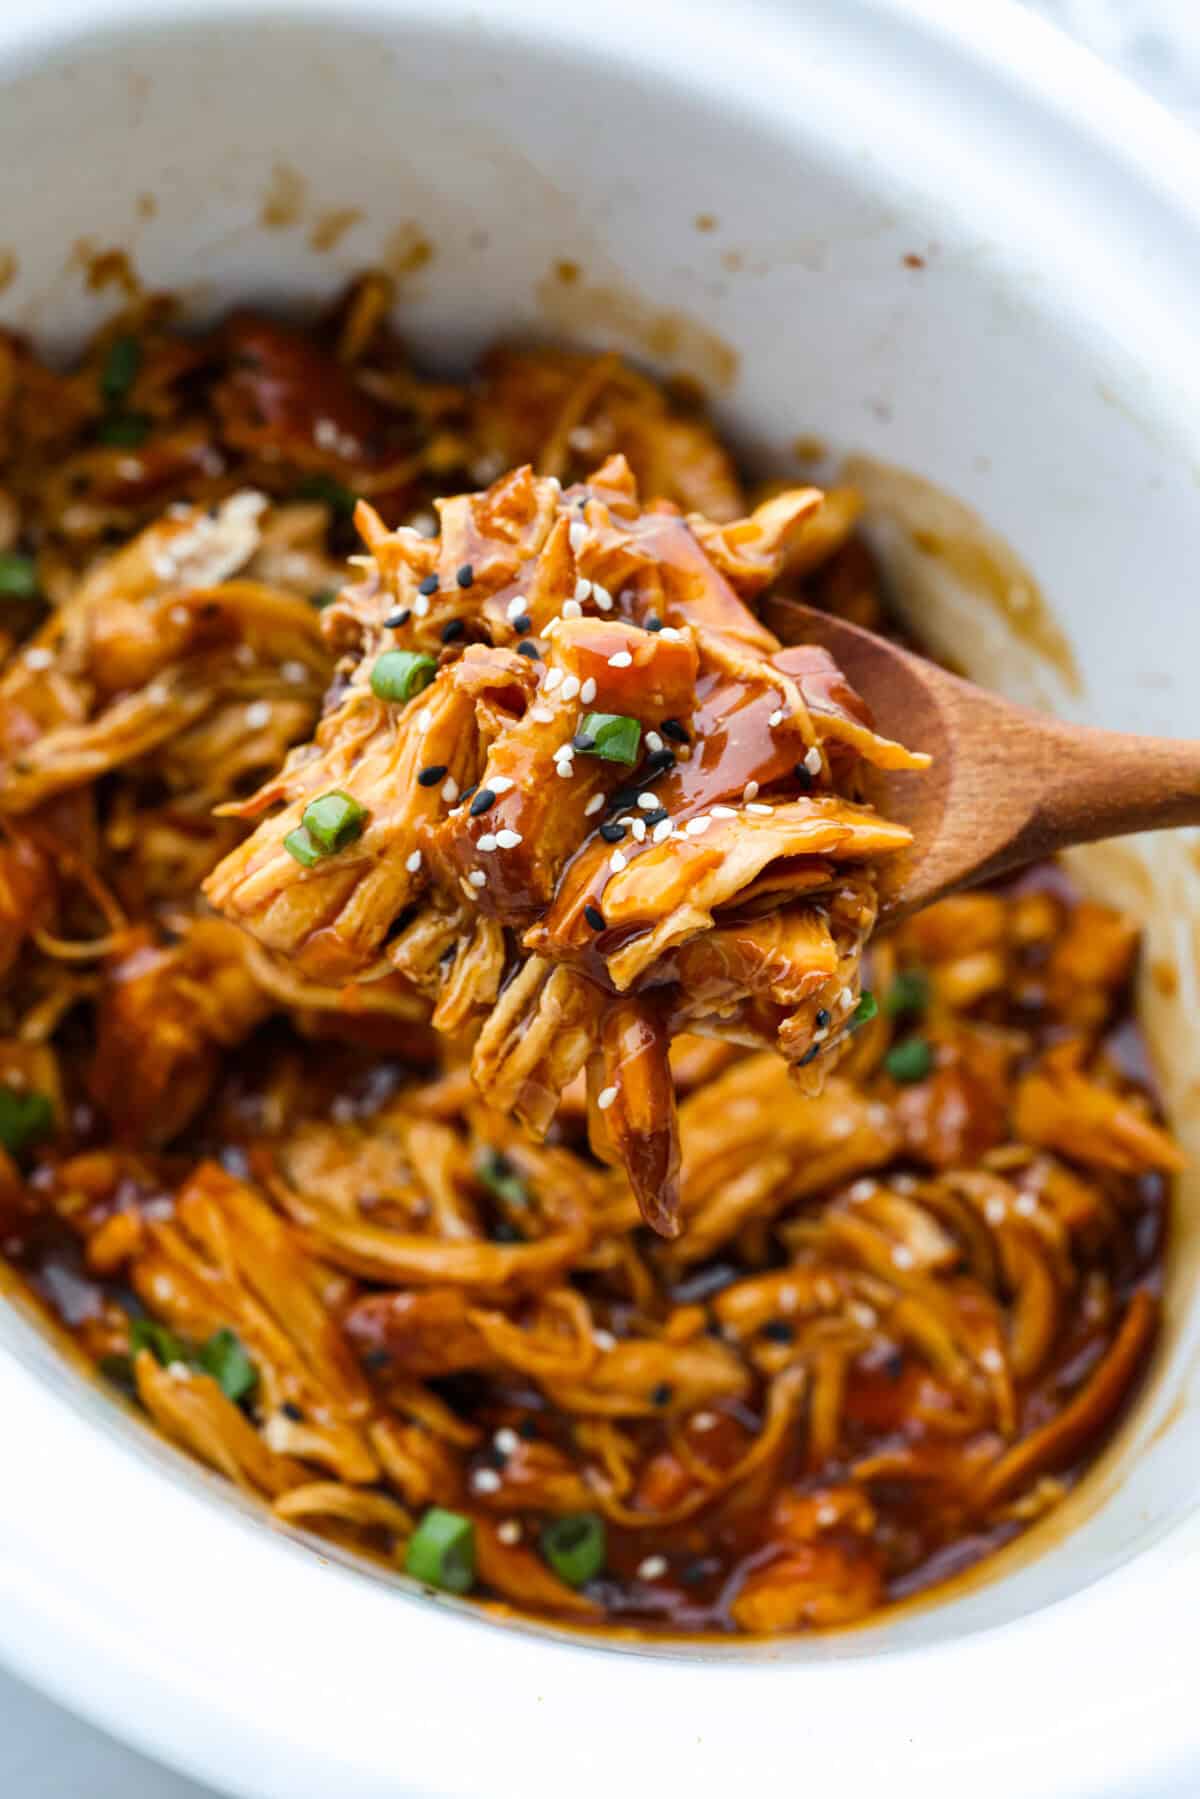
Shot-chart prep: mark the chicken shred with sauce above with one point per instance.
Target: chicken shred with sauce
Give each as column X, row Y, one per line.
column 331, row 1135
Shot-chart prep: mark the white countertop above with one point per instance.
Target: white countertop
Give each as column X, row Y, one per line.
column 44, row 1752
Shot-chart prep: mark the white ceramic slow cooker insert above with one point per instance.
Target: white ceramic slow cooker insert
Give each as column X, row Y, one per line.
column 935, row 237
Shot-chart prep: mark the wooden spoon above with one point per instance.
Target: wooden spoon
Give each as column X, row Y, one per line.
column 1007, row 786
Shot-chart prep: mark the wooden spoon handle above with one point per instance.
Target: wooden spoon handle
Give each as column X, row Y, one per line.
column 1107, row 783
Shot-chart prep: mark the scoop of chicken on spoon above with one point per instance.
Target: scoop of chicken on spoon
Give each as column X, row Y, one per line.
column 1005, row 786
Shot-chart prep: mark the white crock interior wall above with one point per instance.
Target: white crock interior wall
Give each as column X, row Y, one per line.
column 971, row 372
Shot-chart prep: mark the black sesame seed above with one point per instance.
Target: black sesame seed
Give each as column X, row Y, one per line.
column 594, row 917
column 612, row 832
column 822, row 1020
column 429, row 777
column 465, row 575
column 802, row 775
column 662, row 1394
column 582, row 741
column 291, row 1411
column 428, row 585
column 524, row 623
column 529, row 649
column 672, row 728
column 893, row 1367
column 699, row 1570
column 653, row 622
column 527, row 1429
column 778, row 1330
column 483, row 799
column 397, row 619
column 656, row 816
column 623, row 799
column 378, row 1358
column 658, row 760
column 810, row 1055
column 453, row 629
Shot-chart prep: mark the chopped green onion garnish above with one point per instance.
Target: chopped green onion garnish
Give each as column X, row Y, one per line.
column 119, row 1370
column 324, row 596
column 163, row 1344
column 909, row 1061
column 441, row 1551
column 495, row 1172
column 304, row 848
column 400, row 674
column 908, row 993
column 613, row 736
column 575, row 1547
column 124, row 430
column 18, row 576
column 339, row 499
column 223, row 1357
column 334, row 820
column 120, row 369
column 25, row 1118
column 864, row 1011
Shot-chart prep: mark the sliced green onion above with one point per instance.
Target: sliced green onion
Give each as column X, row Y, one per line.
column 575, row 1547
column 306, row 850
column 25, row 1118
column 163, row 1344
column 124, row 430
column 18, row 576
column 120, row 369
column 909, row 1061
column 908, row 993
column 614, row 736
column 223, row 1357
column 401, row 674
column 324, row 596
column 441, row 1551
column 331, row 493
column 119, row 1370
column 495, row 1172
column 334, row 820
column 866, row 1009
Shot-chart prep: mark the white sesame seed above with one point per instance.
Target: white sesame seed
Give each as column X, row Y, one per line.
column 604, row 1339
column 485, row 1480
column 622, row 659
column 594, row 805
column 587, row 692
column 759, row 811
column 421, row 605
column 582, row 589
column 413, row 862
column 776, row 717
column 662, row 830
column 294, row 673
column 516, row 606
column 499, row 784
column 695, row 827
column 258, row 714
column 477, row 877
column 995, row 1210
column 565, row 768
column 703, row 1420
column 1025, row 1205
column 616, row 862
column 554, row 482
column 812, row 761
column 424, row 718
column 826, row 1515
column 750, row 790
column 652, row 1567
column 671, row 634
column 486, row 843
column 38, row 658
column 647, row 801
column 902, row 1256
column 602, row 597
column 577, row 535
column 572, row 609
column 449, row 790
column 180, row 615
column 542, row 715
column 509, row 1532
column 553, row 678
column 506, row 1440
column 605, row 1098
column 724, row 812
column 653, row 741
column 508, row 840
column 639, row 830
column 570, row 687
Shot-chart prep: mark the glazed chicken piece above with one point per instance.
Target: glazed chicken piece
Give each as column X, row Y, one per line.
column 575, row 792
